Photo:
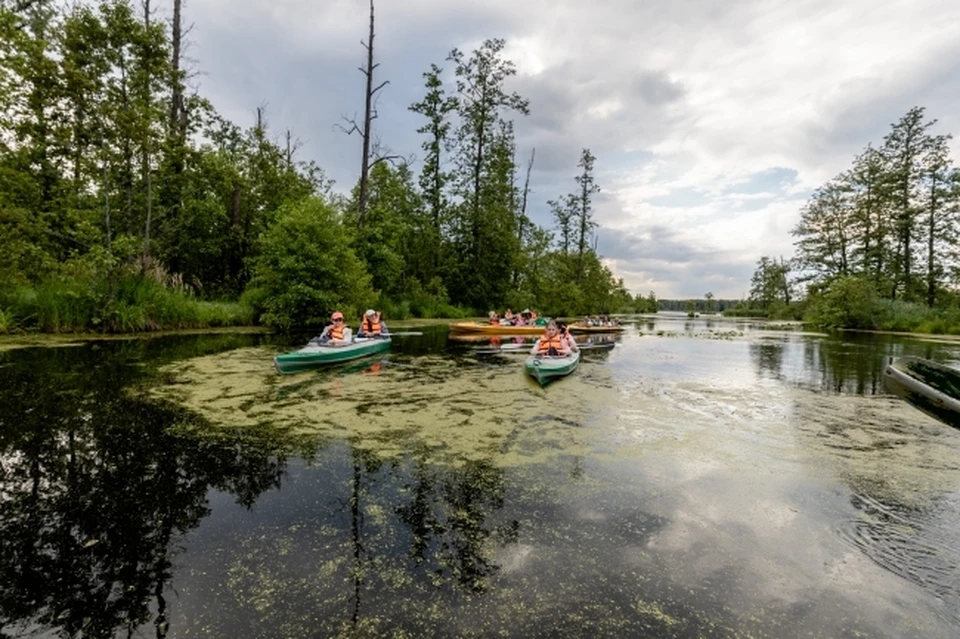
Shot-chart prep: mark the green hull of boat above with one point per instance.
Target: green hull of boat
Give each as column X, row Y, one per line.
column 312, row 356
column 929, row 386
column 545, row 369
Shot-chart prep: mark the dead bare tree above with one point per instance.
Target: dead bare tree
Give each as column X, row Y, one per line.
column 526, row 192
column 369, row 158
column 176, row 99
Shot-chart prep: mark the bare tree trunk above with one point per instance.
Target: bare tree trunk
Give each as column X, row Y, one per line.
column 235, row 206
column 931, row 236
column 289, row 152
column 146, row 140
column 526, row 192
column 367, row 119
column 176, row 99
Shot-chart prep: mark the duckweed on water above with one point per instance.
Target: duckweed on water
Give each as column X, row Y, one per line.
column 464, row 411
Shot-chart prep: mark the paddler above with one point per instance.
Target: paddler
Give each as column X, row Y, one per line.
column 372, row 325
column 337, row 333
column 551, row 342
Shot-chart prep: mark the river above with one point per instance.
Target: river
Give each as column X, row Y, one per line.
column 705, row 478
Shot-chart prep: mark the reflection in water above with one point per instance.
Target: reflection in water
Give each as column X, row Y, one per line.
column 684, row 486
column 852, row 365
column 100, row 486
column 95, row 485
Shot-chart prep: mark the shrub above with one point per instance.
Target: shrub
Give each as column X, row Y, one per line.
column 306, row 268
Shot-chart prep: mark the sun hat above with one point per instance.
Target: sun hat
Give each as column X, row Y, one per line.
column 371, row 312
column 337, row 315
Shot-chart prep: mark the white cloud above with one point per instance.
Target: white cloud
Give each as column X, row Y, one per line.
column 682, row 103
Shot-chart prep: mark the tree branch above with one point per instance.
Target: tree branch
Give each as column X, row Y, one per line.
column 354, row 127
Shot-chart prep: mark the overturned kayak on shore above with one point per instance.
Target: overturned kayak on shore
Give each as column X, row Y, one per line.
column 929, row 386
column 545, row 368
column 313, row 355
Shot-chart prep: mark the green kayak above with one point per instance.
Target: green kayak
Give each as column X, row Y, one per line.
column 313, row 354
column 929, row 386
column 544, row 368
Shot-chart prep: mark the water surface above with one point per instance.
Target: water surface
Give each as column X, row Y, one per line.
column 704, row 479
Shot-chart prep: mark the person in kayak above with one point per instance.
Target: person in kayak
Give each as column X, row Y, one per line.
column 372, row 325
column 551, row 342
column 567, row 337
column 336, row 334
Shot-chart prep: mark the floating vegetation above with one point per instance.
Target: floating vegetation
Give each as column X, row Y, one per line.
column 461, row 410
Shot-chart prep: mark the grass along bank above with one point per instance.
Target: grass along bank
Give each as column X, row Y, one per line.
column 131, row 303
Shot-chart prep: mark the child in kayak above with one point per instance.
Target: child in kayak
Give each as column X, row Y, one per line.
column 551, row 343
column 567, row 337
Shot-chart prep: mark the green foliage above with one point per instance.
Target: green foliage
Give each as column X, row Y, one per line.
column 306, row 268
column 891, row 218
column 848, row 302
column 125, row 205
column 128, row 302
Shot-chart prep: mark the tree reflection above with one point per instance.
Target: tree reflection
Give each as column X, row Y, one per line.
column 99, row 485
column 94, row 486
column 851, row 365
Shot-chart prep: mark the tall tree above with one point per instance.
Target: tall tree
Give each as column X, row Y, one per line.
column 585, row 223
column 436, row 107
column 869, row 186
column 370, row 154
column 904, row 147
column 563, row 211
column 937, row 209
column 484, row 158
column 482, row 98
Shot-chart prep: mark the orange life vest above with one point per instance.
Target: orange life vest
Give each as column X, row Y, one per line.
column 336, row 331
column 546, row 342
column 371, row 326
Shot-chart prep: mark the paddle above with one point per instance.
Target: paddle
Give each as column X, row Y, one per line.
column 525, row 348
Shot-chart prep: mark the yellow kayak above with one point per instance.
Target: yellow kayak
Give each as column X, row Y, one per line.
column 495, row 329
column 580, row 328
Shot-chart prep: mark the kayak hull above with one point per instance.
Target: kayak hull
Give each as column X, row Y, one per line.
column 579, row 328
column 545, row 368
column 312, row 356
column 929, row 386
column 495, row 329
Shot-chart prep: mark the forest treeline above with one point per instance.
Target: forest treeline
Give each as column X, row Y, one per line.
column 877, row 245
column 127, row 202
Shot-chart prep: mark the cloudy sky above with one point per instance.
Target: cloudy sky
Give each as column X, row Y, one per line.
column 711, row 120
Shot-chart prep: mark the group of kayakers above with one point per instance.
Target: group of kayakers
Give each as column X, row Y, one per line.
column 555, row 341
column 337, row 333
column 598, row 320
column 509, row 318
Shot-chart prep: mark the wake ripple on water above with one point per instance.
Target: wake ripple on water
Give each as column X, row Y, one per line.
column 909, row 543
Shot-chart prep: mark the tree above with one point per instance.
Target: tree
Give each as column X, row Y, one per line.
column 481, row 98
column 904, row 147
column 485, row 232
column 563, row 211
column 370, row 155
column 770, row 282
column 436, row 106
column 585, row 223
column 938, row 212
column 306, row 269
